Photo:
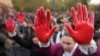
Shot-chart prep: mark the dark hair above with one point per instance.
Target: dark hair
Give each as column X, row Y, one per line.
column 2, row 25
column 96, row 36
column 71, row 21
column 66, row 33
column 2, row 38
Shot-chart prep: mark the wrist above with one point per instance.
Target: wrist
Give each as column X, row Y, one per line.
column 12, row 34
column 92, row 42
column 41, row 44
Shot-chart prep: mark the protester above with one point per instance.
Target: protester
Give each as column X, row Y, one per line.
column 80, row 41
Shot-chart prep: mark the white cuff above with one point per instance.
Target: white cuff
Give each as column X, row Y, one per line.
column 12, row 34
column 25, row 24
column 89, row 48
column 44, row 44
column 89, row 45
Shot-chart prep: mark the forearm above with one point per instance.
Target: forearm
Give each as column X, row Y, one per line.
column 19, row 40
column 44, row 44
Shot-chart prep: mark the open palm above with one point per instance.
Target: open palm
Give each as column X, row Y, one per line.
column 84, row 26
column 42, row 25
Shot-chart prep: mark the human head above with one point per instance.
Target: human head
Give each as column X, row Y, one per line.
column 67, row 43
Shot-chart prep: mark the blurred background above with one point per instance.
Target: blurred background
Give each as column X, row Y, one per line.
column 60, row 10
column 53, row 5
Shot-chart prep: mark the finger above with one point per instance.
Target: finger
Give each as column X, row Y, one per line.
column 48, row 18
column 69, row 28
column 80, row 13
column 74, row 17
column 34, row 29
column 85, row 13
column 52, row 30
column 38, row 16
column 20, row 17
column 43, row 14
column 92, row 18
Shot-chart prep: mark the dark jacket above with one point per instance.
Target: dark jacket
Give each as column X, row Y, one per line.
column 52, row 50
column 34, row 49
column 2, row 44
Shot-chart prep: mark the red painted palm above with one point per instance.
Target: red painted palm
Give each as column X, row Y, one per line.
column 42, row 25
column 84, row 25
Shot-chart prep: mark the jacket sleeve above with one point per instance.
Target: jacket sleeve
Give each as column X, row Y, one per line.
column 50, row 50
column 22, row 42
column 89, row 49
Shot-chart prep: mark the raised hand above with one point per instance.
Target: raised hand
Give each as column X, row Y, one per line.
column 10, row 25
column 84, row 25
column 42, row 25
column 20, row 17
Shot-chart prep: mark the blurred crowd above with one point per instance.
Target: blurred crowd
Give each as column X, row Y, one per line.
column 9, row 47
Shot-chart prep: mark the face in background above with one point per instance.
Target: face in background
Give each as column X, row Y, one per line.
column 67, row 43
column 35, row 40
column 98, row 42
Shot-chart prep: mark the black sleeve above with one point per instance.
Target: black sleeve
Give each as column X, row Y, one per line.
column 2, row 39
column 24, row 43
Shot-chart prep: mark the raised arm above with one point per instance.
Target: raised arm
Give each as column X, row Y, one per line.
column 11, row 29
column 84, row 29
column 42, row 24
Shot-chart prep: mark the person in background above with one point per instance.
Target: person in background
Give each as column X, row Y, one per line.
column 2, row 38
column 56, row 38
column 97, row 37
column 79, row 42
column 13, row 33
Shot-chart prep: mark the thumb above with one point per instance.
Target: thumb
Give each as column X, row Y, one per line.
column 34, row 29
column 52, row 30
column 69, row 28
